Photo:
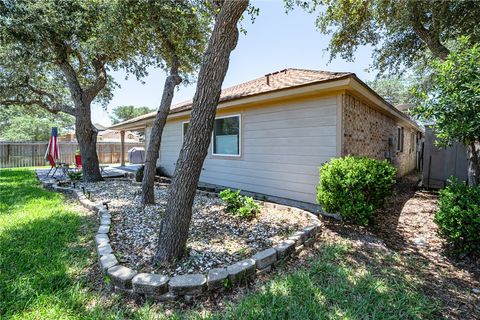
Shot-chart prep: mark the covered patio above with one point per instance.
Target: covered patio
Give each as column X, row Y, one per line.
column 138, row 124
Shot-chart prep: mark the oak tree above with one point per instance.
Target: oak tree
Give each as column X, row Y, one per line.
column 394, row 89
column 453, row 102
column 21, row 123
column 173, row 232
column 57, row 55
column 124, row 113
column 53, row 55
column 402, row 32
column 182, row 47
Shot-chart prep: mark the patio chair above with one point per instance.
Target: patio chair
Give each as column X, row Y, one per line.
column 55, row 165
column 78, row 162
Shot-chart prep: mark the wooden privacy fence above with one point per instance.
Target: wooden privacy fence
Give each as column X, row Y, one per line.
column 30, row 154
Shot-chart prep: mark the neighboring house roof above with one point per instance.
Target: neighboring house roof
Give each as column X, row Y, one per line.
column 276, row 81
column 99, row 127
column 404, row 107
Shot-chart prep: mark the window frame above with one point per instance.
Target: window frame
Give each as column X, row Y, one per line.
column 239, row 137
column 412, row 142
column 183, row 129
column 400, row 138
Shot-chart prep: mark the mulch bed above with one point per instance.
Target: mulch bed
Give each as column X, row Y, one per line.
column 216, row 238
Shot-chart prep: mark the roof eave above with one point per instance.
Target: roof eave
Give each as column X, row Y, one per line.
column 363, row 89
column 348, row 81
column 321, row 85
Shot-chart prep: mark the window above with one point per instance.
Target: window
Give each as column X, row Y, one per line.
column 184, row 129
column 412, row 142
column 226, row 136
column 399, row 139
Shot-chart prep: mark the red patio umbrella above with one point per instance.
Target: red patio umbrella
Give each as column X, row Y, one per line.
column 52, row 151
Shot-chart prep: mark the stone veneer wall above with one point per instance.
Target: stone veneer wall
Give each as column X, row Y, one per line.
column 366, row 132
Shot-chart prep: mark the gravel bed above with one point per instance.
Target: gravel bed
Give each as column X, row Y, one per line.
column 216, row 238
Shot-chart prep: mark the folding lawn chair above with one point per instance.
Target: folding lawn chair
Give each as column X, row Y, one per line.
column 53, row 165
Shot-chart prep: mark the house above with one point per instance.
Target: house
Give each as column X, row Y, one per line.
column 272, row 134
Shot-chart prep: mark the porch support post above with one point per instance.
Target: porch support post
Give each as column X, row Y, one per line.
column 122, row 148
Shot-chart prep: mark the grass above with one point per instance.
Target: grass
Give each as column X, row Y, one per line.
column 46, row 255
column 336, row 285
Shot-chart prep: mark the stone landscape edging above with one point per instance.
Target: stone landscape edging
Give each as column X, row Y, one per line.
column 164, row 288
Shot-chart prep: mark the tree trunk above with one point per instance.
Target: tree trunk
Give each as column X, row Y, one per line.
column 87, row 141
column 473, row 165
column 174, row 228
column 148, row 195
column 430, row 36
column 85, row 131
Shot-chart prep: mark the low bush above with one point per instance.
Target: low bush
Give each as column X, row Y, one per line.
column 139, row 174
column 75, row 175
column 159, row 172
column 355, row 186
column 458, row 217
column 242, row 206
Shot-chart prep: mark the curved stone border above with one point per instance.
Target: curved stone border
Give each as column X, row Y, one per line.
column 163, row 288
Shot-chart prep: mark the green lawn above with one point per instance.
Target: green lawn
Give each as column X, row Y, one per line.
column 46, row 257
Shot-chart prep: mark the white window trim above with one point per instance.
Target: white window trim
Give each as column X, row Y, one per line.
column 400, row 138
column 183, row 131
column 239, row 137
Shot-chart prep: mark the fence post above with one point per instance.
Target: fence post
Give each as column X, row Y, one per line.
column 111, row 153
column 33, row 155
column 122, row 148
column 8, row 156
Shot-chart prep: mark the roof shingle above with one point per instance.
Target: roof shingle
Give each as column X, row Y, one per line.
column 283, row 79
column 286, row 78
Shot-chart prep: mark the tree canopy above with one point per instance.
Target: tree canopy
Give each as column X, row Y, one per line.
column 402, row 32
column 453, row 101
column 394, row 89
column 57, row 55
column 19, row 123
column 48, row 44
column 123, row 113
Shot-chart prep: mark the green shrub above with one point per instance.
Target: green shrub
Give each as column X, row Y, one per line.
column 75, row 175
column 242, row 206
column 458, row 217
column 160, row 172
column 355, row 186
column 139, row 174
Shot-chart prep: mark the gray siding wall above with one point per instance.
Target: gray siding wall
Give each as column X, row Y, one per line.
column 282, row 147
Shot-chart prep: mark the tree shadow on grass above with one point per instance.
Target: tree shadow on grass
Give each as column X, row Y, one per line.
column 36, row 258
column 337, row 284
column 447, row 285
column 438, row 278
column 20, row 187
column 386, row 220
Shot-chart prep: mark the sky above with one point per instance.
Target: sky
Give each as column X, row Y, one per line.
column 275, row 41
